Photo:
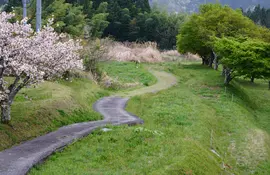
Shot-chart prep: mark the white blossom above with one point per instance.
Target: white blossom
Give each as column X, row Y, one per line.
column 30, row 56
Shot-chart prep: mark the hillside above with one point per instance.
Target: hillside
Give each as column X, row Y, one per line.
column 2, row 1
column 53, row 104
column 192, row 5
column 196, row 127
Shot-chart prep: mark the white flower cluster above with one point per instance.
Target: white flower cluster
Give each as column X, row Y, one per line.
column 30, row 56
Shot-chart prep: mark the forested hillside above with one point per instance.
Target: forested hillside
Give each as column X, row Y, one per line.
column 192, row 5
column 260, row 15
column 123, row 20
column 2, row 2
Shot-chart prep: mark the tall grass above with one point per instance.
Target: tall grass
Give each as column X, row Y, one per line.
column 143, row 52
column 174, row 55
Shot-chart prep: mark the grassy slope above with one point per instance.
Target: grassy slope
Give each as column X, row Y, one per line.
column 175, row 138
column 55, row 104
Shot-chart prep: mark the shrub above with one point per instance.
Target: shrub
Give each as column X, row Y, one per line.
column 95, row 51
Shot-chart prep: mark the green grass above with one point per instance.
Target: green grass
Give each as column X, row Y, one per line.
column 126, row 72
column 181, row 127
column 50, row 105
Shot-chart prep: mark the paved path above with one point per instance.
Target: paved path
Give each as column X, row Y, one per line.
column 164, row 81
column 19, row 159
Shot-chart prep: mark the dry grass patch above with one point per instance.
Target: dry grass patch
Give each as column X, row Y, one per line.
column 174, row 55
column 252, row 150
column 145, row 52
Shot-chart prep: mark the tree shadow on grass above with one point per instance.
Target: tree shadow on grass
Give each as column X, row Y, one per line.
column 260, row 85
column 237, row 89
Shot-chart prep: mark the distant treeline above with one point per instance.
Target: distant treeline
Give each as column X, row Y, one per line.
column 124, row 20
column 259, row 15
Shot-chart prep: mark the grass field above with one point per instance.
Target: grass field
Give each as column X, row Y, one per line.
column 51, row 105
column 196, row 127
column 126, row 72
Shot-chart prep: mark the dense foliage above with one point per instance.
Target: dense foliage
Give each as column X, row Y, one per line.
column 244, row 57
column 125, row 20
column 199, row 35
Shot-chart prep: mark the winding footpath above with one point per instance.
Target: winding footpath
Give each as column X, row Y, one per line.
column 18, row 160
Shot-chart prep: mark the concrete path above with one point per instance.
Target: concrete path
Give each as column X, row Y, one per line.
column 164, row 81
column 18, row 160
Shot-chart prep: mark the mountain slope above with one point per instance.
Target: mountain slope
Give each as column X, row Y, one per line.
column 2, row 2
column 192, row 5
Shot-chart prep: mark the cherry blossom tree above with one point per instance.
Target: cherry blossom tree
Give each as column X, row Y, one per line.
column 29, row 57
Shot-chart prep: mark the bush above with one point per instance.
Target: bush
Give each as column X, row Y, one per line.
column 95, row 51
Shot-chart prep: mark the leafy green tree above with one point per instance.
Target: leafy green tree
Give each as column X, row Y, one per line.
column 11, row 4
column 97, row 24
column 244, row 57
column 102, row 8
column 157, row 26
column 125, row 20
column 214, row 20
column 68, row 18
column 162, row 27
column 75, row 21
column 87, row 8
column 192, row 39
column 123, row 23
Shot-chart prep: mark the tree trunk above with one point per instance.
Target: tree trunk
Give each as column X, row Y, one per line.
column 205, row 60
column 252, row 79
column 215, row 64
column 13, row 88
column 210, row 63
column 223, row 71
column 6, row 106
column 215, row 60
column 228, row 76
column 5, row 112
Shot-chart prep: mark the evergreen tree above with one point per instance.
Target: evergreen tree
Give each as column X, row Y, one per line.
column 260, row 16
column 125, row 20
column 98, row 23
